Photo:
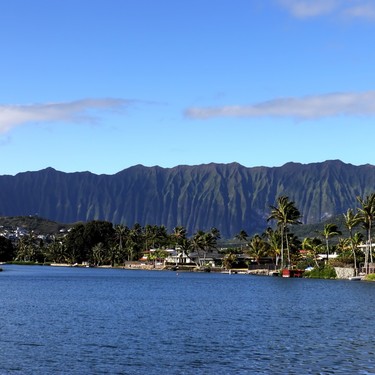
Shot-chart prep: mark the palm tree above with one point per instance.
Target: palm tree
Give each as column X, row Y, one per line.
column 367, row 213
column 351, row 220
column 179, row 241
column 274, row 241
column 186, row 247
column 258, row 248
column 313, row 246
column 356, row 241
column 99, row 254
column 120, row 234
column 55, row 251
column 178, row 235
column 198, row 244
column 329, row 230
column 285, row 213
column 242, row 237
column 215, row 234
column 229, row 259
column 134, row 241
column 205, row 241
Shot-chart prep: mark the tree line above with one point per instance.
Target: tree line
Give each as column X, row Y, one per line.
column 100, row 242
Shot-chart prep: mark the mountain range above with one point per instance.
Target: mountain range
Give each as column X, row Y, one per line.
column 230, row 197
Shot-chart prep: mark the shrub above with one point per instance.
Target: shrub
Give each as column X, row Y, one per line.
column 370, row 277
column 325, row 272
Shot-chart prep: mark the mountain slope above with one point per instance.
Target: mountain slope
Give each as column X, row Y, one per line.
column 230, row 197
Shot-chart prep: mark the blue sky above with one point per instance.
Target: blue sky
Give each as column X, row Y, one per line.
column 102, row 85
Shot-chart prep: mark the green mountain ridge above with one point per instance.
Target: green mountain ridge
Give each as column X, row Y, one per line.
column 229, row 197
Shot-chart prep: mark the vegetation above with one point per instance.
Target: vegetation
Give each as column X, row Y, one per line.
column 370, row 277
column 285, row 213
column 228, row 196
column 324, row 272
column 102, row 243
column 33, row 223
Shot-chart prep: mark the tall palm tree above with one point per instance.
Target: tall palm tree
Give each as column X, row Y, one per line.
column 274, row 240
column 350, row 221
column 357, row 241
column 178, row 241
column 198, row 244
column 120, row 235
column 178, row 235
column 367, row 213
column 329, row 230
column 285, row 213
column 134, row 241
column 205, row 241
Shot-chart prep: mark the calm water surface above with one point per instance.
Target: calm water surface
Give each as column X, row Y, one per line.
column 107, row 321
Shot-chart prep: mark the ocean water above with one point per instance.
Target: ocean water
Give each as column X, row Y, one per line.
column 113, row 321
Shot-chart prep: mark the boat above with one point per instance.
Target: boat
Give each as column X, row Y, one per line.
column 356, row 278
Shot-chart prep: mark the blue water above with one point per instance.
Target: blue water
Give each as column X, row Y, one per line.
column 108, row 321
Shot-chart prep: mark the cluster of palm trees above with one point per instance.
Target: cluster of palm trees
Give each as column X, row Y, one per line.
column 100, row 242
column 281, row 243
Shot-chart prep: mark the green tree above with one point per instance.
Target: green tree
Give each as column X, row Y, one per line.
column 28, row 249
column 56, row 251
column 313, row 246
column 83, row 237
column 135, row 242
column 274, row 240
column 329, row 230
column 229, row 260
column 257, row 248
column 366, row 213
column 285, row 213
column 351, row 220
column 118, row 250
column 180, row 242
column 7, row 251
column 99, row 254
column 75, row 244
column 242, row 237
column 178, row 235
column 205, row 242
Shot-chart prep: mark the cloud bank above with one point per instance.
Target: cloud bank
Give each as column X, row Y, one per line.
column 304, row 108
column 360, row 9
column 75, row 111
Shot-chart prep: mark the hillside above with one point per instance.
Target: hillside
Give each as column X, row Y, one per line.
column 229, row 197
column 33, row 223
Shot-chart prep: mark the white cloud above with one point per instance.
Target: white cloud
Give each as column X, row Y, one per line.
column 361, row 9
column 75, row 111
column 308, row 8
column 304, row 108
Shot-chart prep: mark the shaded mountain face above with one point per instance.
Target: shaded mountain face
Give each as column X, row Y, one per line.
column 229, row 197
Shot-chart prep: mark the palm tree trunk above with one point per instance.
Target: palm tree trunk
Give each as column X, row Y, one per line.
column 287, row 249
column 353, row 250
column 282, row 248
column 370, row 244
